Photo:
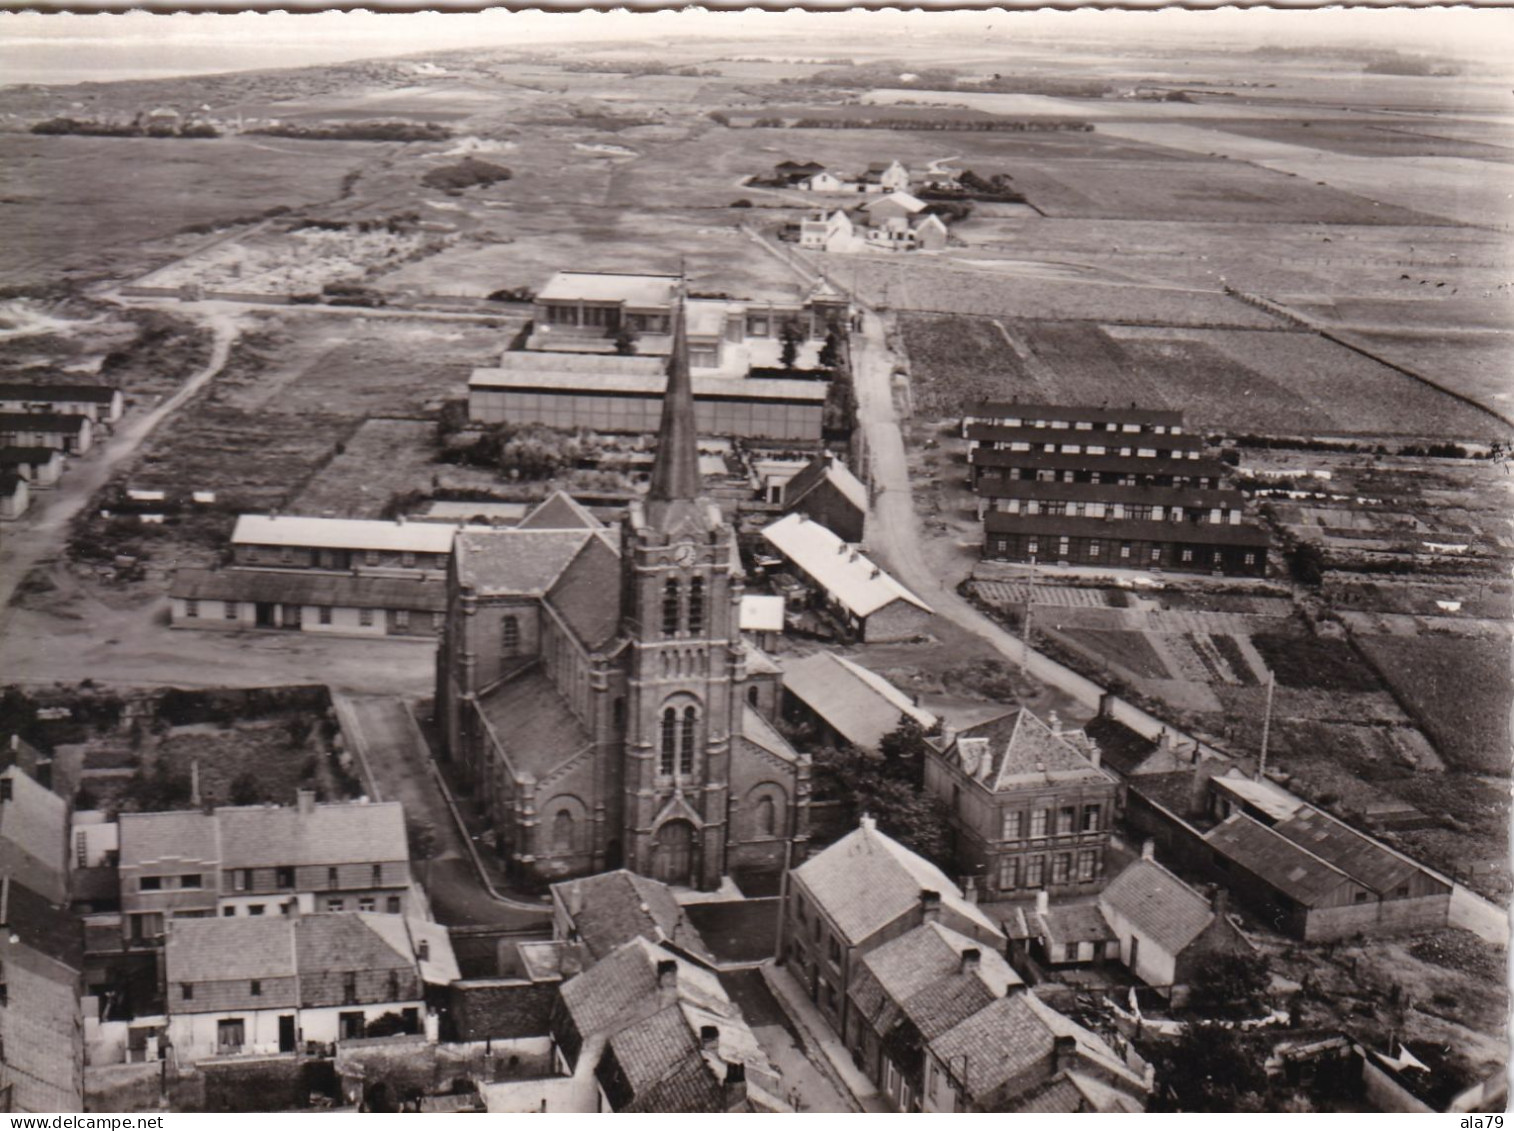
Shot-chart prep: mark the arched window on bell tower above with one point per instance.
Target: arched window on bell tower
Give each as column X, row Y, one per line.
column 669, row 741
column 670, row 607
column 696, row 607
column 686, row 747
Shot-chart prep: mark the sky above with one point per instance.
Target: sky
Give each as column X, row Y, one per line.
column 69, row 47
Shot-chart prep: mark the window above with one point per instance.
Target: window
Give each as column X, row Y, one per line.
column 1038, row 822
column 753, row 695
column 670, row 607
column 402, row 618
column 365, row 617
column 349, row 988
column 150, row 883
column 186, row 991
column 509, row 636
column 255, row 909
column 1061, row 867
column 1009, row 874
column 231, row 1035
column 365, row 903
column 407, row 558
column 392, row 905
column 696, row 606
column 799, row 910
column 1070, row 952
column 255, row 988
column 1066, row 820
column 1093, row 549
column 332, row 878
column 766, row 821
column 562, row 831
column 1250, row 559
column 192, row 880
column 1156, row 553
column 232, row 610
column 394, row 985
column 835, row 951
column 1032, row 547
column 1063, row 547
column 378, row 874
column 1088, row 860
column 283, row 877
column 323, row 614
column 335, row 903
column 669, row 741
column 437, row 621
column 1124, row 549
column 370, row 557
column 1187, row 555
column 1011, row 826
column 1034, row 871
column 350, row 1026
column 191, row 608
column 1401, row 892
column 1359, row 897
column 1090, row 818
column 286, row 554
column 228, row 912
column 686, row 753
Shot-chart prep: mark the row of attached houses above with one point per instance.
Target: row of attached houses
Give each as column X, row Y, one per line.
column 103, row 404
column 70, row 433
column 1091, row 486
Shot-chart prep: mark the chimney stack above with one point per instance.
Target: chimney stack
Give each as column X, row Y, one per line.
column 1149, row 850
column 1062, row 1051
column 735, row 1086
column 867, row 821
column 930, row 906
column 970, row 890
column 304, row 800
column 667, row 982
column 971, row 957
column 1095, row 755
column 194, row 782
column 575, row 900
column 1056, row 722
column 1220, row 901
column 709, row 1038
column 1043, row 902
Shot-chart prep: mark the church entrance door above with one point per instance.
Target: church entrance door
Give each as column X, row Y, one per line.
column 673, row 860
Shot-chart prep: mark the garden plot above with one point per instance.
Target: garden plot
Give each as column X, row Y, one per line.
column 957, row 360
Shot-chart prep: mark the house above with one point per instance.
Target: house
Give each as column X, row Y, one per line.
column 645, row 1031
column 885, row 176
column 789, row 172
column 596, row 693
column 261, row 861
column 41, row 1021
column 1062, row 934
column 867, row 601
column 1127, row 422
column 1107, row 470
column 827, row 492
column 853, row 897
column 601, row 913
column 40, row 467
column 823, row 181
column 893, row 205
column 897, row 233
column 1017, row 1054
column 101, row 403
column 69, row 433
column 281, row 984
column 930, row 233
column 1317, row 878
column 15, row 495
column 363, row 547
column 1164, row 927
column 609, row 393
column 824, row 230
column 911, row 990
column 33, row 834
column 846, row 701
column 328, row 603
column 1031, row 806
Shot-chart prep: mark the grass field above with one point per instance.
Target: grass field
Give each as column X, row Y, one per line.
column 1477, row 364
column 957, row 360
column 1398, row 139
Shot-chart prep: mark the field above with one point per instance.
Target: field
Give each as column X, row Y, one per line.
column 960, row 360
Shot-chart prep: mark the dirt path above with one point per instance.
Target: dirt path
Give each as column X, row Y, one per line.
column 42, row 535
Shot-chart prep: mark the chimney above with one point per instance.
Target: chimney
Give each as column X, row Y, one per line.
column 1062, row 1051
column 1095, row 755
column 735, row 1086
column 1106, row 705
column 194, row 782
column 667, row 982
column 930, row 906
column 970, row 890
column 1220, row 901
column 874, row 575
column 575, row 900
column 423, row 949
column 841, row 549
column 866, row 821
column 1149, row 850
column 1043, row 902
column 971, row 957
column 304, row 800
column 571, row 958
column 1055, row 721
column 709, row 1038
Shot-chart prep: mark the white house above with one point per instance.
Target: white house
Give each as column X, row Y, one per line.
column 824, row 181
column 822, row 231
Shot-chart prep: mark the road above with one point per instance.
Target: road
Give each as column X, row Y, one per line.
column 42, row 535
column 395, row 761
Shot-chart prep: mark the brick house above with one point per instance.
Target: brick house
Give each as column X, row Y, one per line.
column 827, row 492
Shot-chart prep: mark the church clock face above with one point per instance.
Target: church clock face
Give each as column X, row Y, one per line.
column 684, row 555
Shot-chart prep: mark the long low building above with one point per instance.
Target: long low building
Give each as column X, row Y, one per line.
column 1076, row 418
column 40, row 467
column 101, row 403
column 1129, row 471
column 609, row 393
column 333, row 603
column 292, row 542
column 65, row 432
column 1100, row 500
column 1126, row 543
column 848, row 701
column 1023, row 438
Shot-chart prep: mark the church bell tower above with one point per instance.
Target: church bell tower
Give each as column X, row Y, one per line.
column 681, row 599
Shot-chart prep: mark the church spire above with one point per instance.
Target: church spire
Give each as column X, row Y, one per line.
column 675, row 474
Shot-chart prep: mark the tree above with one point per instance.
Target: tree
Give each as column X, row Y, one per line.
column 1306, row 563
column 830, row 352
column 1209, row 1068
column 903, row 750
column 625, row 341
column 1219, row 980
column 867, row 785
column 791, row 337
column 386, row 1025
column 246, row 789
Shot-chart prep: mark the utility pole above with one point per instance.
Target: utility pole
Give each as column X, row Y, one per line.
column 1261, row 763
column 1030, row 604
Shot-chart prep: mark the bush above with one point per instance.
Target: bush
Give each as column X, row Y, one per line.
column 465, row 174
column 742, row 203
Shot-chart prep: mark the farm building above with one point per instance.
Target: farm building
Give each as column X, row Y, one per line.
column 829, row 493
column 846, row 701
column 790, row 172
column 332, row 603
column 1239, row 551
column 824, row 181
column 608, row 393
column 101, row 403
column 65, row 432
column 896, row 233
column 886, row 177
column 15, row 495
column 897, row 205
column 40, row 467
column 1031, row 807
column 867, row 601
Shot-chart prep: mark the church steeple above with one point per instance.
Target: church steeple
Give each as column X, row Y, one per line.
column 675, row 473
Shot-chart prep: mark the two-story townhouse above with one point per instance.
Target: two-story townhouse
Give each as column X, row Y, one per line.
column 101, row 403
column 1030, row 806
column 853, row 897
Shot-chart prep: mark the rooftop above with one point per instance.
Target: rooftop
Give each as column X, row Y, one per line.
column 43, row 422
column 1070, row 414
column 97, row 394
column 1161, row 906
column 1273, row 801
column 826, row 468
column 1114, row 529
column 924, row 976
column 645, row 381
column 1029, row 433
column 1363, row 859
column 35, row 821
column 1066, row 461
column 761, row 613
column 516, row 562
column 612, row 908
column 859, row 704
column 1018, row 750
column 343, row 533
column 846, row 575
column 639, row 291
column 1278, row 861
column 259, row 836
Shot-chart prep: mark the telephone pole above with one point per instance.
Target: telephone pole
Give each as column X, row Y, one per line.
column 1261, row 763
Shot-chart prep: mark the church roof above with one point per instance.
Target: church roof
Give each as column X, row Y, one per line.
column 761, row 734
column 533, row 724
column 560, row 511
column 586, row 594
column 675, row 474
column 516, row 562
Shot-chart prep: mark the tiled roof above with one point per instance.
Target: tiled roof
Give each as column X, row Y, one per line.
column 405, row 934
column 343, row 533
column 344, row 833
column 35, row 820
column 1134, row 465
column 17, row 456
column 846, row 575
column 46, row 927
column 516, row 562
column 1267, row 854
column 615, row 907
column 1161, row 906
column 1272, row 800
column 1360, row 857
column 295, row 587
column 1120, row 748
column 1016, row 750
column 560, row 511
column 1025, row 433
column 553, row 374
column 905, row 966
column 1057, row 1096
column 909, row 202
column 622, row 987
column 229, row 949
column 867, row 880
column 820, row 469
column 68, row 422
column 608, row 286
column 353, row 941
column 762, row 734
column 1195, row 533
column 1200, row 497
column 534, row 723
column 585, row 593
column 860, row 704
column 1075, row 922
column 181, row 835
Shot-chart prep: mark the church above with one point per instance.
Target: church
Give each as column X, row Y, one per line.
column 595, row 689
